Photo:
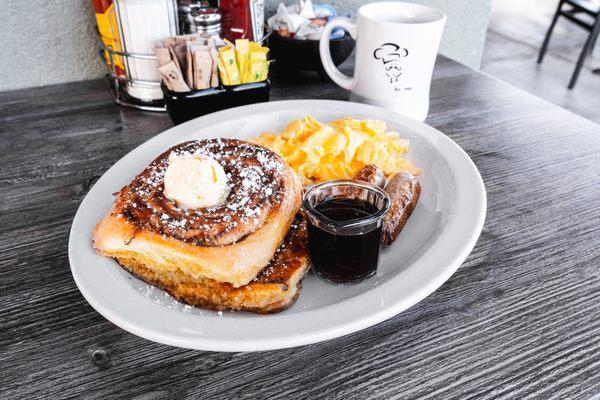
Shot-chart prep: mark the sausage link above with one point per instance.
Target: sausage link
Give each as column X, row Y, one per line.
column 404, row 190
column 371, row 174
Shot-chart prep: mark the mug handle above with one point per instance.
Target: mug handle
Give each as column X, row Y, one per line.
column 343, row 80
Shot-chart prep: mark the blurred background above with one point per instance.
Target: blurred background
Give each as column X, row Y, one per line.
column 56, row 42
column 515, row 36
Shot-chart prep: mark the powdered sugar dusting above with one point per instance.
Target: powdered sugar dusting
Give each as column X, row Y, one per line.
column 255, row 178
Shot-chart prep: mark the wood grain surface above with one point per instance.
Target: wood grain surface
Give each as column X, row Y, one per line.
column 520, row 319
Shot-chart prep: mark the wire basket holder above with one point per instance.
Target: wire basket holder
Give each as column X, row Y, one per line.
column 116, row 81
column 121, row 81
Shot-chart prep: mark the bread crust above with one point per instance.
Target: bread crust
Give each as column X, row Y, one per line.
column 236, row 264
column 275, row 289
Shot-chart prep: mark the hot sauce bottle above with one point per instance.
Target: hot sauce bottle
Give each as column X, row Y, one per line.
column 109, row 31
column 242, row 19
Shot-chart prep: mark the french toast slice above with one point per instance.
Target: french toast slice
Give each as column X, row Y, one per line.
column 274, row 289
column 237, row 263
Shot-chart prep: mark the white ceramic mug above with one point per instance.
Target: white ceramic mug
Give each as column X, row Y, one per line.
column 396, row 48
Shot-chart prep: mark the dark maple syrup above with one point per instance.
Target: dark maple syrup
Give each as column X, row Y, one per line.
column 344, row 258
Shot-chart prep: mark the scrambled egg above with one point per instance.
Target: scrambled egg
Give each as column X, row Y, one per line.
column 339, row 149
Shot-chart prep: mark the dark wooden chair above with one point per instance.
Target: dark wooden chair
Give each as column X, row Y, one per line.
column 584, row 13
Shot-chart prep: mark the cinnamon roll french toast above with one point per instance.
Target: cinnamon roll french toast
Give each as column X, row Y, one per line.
column 206, row 221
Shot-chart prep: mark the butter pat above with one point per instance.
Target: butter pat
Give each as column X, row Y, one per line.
column 195, row 181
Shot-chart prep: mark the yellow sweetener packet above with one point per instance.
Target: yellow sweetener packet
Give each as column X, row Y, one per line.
column 227, row 58
column 258, row 60
column 222, row 73
column 242, row 55
column 255, row 46
column 265, row 71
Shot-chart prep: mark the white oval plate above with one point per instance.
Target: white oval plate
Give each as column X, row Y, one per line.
column 436, row 240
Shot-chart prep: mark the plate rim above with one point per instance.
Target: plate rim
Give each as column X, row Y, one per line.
column 318, row 335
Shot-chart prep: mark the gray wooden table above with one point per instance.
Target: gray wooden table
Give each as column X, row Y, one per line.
column 520, row 319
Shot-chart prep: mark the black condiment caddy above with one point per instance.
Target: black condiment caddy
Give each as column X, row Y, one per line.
column 184, row 106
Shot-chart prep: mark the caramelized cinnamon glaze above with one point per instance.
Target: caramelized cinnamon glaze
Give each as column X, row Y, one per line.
column 289, row 256
column 256, row 178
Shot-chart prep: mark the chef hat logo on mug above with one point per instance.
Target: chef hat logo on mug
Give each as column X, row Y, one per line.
column 390, row 55
column 396, row 48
